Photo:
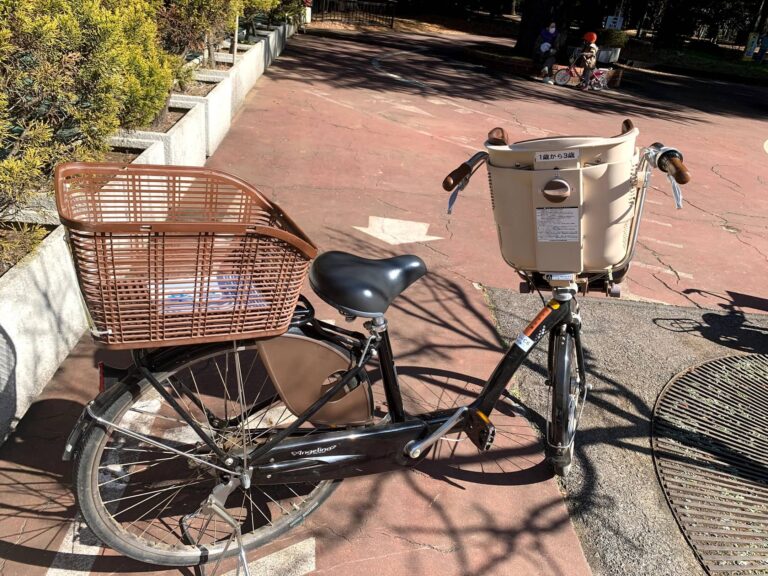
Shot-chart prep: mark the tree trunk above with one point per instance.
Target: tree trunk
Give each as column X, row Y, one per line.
column 210, row 48
column 762, row 15
column 233, row 46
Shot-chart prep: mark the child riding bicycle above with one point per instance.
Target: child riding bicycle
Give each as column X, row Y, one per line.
column 589, row 57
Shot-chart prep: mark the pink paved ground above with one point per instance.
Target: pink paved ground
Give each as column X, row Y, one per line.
column 337, row 132
column 371, row 130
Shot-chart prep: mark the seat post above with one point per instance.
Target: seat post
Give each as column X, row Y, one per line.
column 388, row 370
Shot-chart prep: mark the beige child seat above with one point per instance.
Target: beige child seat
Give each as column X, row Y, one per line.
column 566, row 204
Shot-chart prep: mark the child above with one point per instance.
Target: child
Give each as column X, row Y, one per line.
column 589, row 57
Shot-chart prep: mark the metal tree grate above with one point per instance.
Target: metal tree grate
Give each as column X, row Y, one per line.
column 710, row 447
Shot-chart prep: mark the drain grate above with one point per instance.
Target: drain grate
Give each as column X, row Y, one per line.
column 710, row 446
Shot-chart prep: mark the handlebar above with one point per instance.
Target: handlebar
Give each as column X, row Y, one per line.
column 672, row 164
column 459, row 178
column 669, row 160
column 451, row 181
column 464, row 171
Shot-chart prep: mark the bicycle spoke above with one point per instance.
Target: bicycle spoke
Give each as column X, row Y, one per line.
column 167, row 502
column 155, row 415
column 154, row 496
column 149, row 494
column 241, row 397
column 259, row 509
column 199, row 397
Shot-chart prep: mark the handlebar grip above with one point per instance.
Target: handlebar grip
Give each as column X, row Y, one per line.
column 452, row 180
column 672, row 163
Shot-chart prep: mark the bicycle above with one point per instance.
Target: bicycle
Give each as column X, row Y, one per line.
column 598, row 79
column 200, row 445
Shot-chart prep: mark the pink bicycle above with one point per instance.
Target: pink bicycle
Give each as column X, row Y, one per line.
column 598, row 80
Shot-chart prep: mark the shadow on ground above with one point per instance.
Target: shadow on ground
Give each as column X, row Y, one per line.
column 444, row 65
column 632, row 351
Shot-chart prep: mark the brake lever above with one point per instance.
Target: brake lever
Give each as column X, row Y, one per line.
column 677, row 193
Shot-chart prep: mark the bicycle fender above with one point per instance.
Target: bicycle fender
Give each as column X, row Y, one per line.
column 98, row 406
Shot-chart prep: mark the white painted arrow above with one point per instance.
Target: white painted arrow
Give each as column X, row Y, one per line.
column 393, row 231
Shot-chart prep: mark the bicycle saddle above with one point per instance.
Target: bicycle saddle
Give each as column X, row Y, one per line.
column 360, row 286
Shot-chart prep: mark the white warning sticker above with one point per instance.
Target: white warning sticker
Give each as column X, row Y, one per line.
column 557, row 225
column 523, row 342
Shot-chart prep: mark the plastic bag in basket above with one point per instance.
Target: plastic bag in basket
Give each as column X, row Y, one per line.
column 214, row 293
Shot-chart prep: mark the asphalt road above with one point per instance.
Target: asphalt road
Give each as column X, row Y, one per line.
column 632, row 350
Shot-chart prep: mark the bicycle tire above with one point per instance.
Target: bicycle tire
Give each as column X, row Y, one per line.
column 565, row 401
column 562, row 77
column 146, row 504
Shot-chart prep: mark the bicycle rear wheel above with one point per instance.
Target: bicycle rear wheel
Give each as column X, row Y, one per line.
column 564, row 379
column 146, row 502
column 562, row 77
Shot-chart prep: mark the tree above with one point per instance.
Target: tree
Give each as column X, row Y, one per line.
column 189, row 25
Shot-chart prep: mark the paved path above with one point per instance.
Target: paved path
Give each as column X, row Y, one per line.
column 357, row 166
column 396, row 116
column 349, row 136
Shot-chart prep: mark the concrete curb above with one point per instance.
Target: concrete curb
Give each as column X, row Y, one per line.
column 185, row 143
column 153, row 150
column 42, row 318
column 218, row 107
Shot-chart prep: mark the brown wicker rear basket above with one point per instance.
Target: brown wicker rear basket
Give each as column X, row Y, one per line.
column 171, row 255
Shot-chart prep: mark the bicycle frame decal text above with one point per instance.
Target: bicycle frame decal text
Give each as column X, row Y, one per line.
column 524, row 343
column 313, row 452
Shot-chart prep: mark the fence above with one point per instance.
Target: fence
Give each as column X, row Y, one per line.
column 355, row 12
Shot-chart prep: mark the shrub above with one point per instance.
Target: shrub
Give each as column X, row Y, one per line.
column 259, row 7
column 17, row 241
column 287, row 11
column 148, row 71
column 612, row 38
column 190, row 25
column 71, row 72
column 60, row 81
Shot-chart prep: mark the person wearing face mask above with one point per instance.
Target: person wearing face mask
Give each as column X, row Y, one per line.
column 544, row 51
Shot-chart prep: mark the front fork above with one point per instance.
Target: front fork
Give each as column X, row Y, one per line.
column 570, row 325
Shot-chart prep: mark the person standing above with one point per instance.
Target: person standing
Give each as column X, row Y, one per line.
column 589, row 58
column 763, row 43
column 544, row 50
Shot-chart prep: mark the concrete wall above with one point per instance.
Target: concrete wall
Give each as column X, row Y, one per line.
column 154, row 152
column 244, row 73
column 41, row 320
column 218, row 107
column 184, row 144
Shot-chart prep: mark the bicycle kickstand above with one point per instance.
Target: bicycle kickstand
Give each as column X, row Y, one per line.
column 214, row 504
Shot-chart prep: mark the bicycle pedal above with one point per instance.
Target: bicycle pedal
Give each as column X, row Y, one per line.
column 480, row 430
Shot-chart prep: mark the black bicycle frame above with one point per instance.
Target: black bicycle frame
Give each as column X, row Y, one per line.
column 362, row 451
column 292, row 456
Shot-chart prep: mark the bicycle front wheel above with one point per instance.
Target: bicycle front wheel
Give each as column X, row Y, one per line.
column 146, row 502
column 564, row 380
column 562, row 77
